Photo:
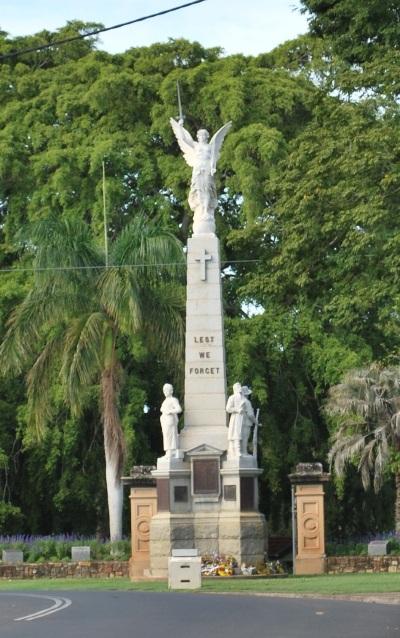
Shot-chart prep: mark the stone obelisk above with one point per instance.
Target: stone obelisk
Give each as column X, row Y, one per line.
column 207, row 493
column 205, row 382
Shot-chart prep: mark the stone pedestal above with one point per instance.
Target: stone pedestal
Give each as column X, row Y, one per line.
column 210, row 504
column 307, row 482
column 241, row 535
column 143, row 498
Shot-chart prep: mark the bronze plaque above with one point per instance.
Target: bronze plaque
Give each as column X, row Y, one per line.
column 247, row 500
column 163, row 495
column 230, row 492
column 205, row 476
column 181, row 494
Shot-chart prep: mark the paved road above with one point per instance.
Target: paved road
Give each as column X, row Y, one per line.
column 174, row 615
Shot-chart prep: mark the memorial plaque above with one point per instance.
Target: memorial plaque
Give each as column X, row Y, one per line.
column 377, row 548
column 81, row 553
column 181, row 494
column 247, row 500
column 230, row 492
column 163, row 495
column 206, row 476
column 12, row 556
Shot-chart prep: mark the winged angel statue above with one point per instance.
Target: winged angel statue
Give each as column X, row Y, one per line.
column 202, row 156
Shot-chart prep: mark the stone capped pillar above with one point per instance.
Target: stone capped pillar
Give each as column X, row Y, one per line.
column 205, row 418
column 308, row 485
column 143, row 498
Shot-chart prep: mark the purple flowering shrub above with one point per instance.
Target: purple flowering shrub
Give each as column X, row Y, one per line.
column 57, row 547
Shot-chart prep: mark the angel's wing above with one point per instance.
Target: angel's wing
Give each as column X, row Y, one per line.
column 216, row 143
column 185, row 141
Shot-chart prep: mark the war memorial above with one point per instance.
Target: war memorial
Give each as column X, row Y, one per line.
column 203, row 493
column 207, row 488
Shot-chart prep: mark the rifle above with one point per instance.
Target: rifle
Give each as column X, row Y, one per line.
column 255, row 434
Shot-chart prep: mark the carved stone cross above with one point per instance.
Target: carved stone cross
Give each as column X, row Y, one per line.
column 203, row 259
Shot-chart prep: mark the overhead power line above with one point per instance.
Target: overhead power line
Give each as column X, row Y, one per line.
column 14, row 54
column 102, row 267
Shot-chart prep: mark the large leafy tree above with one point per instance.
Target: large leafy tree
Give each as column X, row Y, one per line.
column 68, row 328
column 367, row 409
column 308, row 209
column 355, row 46
column 330, row 241
column 356, row 31
column 63, row 116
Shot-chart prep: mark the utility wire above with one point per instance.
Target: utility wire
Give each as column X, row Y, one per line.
column 15, row 54
column 103, row 267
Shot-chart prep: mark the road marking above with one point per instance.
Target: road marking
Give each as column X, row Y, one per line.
column 59, row 604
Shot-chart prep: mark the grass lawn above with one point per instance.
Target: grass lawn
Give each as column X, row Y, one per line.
column 340, row 584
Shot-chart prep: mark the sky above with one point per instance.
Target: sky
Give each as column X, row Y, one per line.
column 238, row 26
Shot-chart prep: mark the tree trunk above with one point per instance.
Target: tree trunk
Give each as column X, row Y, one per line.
column 114, row 449
column 397, row 503
column 114, row 495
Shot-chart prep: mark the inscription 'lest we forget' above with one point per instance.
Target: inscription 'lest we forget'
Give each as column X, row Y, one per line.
column 204, row 339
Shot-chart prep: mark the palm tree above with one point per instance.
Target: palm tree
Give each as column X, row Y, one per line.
column 367, row 404
column 68, row 326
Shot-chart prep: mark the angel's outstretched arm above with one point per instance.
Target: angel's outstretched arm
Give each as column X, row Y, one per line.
column 185, row 141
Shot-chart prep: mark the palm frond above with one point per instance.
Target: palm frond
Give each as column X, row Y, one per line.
column 39, row 380
column 379, row 468
column 144, row 256
column 366, row 462
column 63, row 242
column 344, row 450
column 163, row 322
column 23, row 333
column 66, row 257
column 395, row 423
column 120, row 293
column 153, row 251
column 42, row 309
column 82, row 356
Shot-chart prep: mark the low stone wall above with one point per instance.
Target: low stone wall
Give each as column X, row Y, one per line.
column 120, row 569
column 89, row 569
column 362, row 564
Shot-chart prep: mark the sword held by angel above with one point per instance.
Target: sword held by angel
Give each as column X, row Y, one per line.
column 202, row 156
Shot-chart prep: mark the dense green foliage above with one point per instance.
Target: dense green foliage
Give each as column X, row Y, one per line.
column 308, row 221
